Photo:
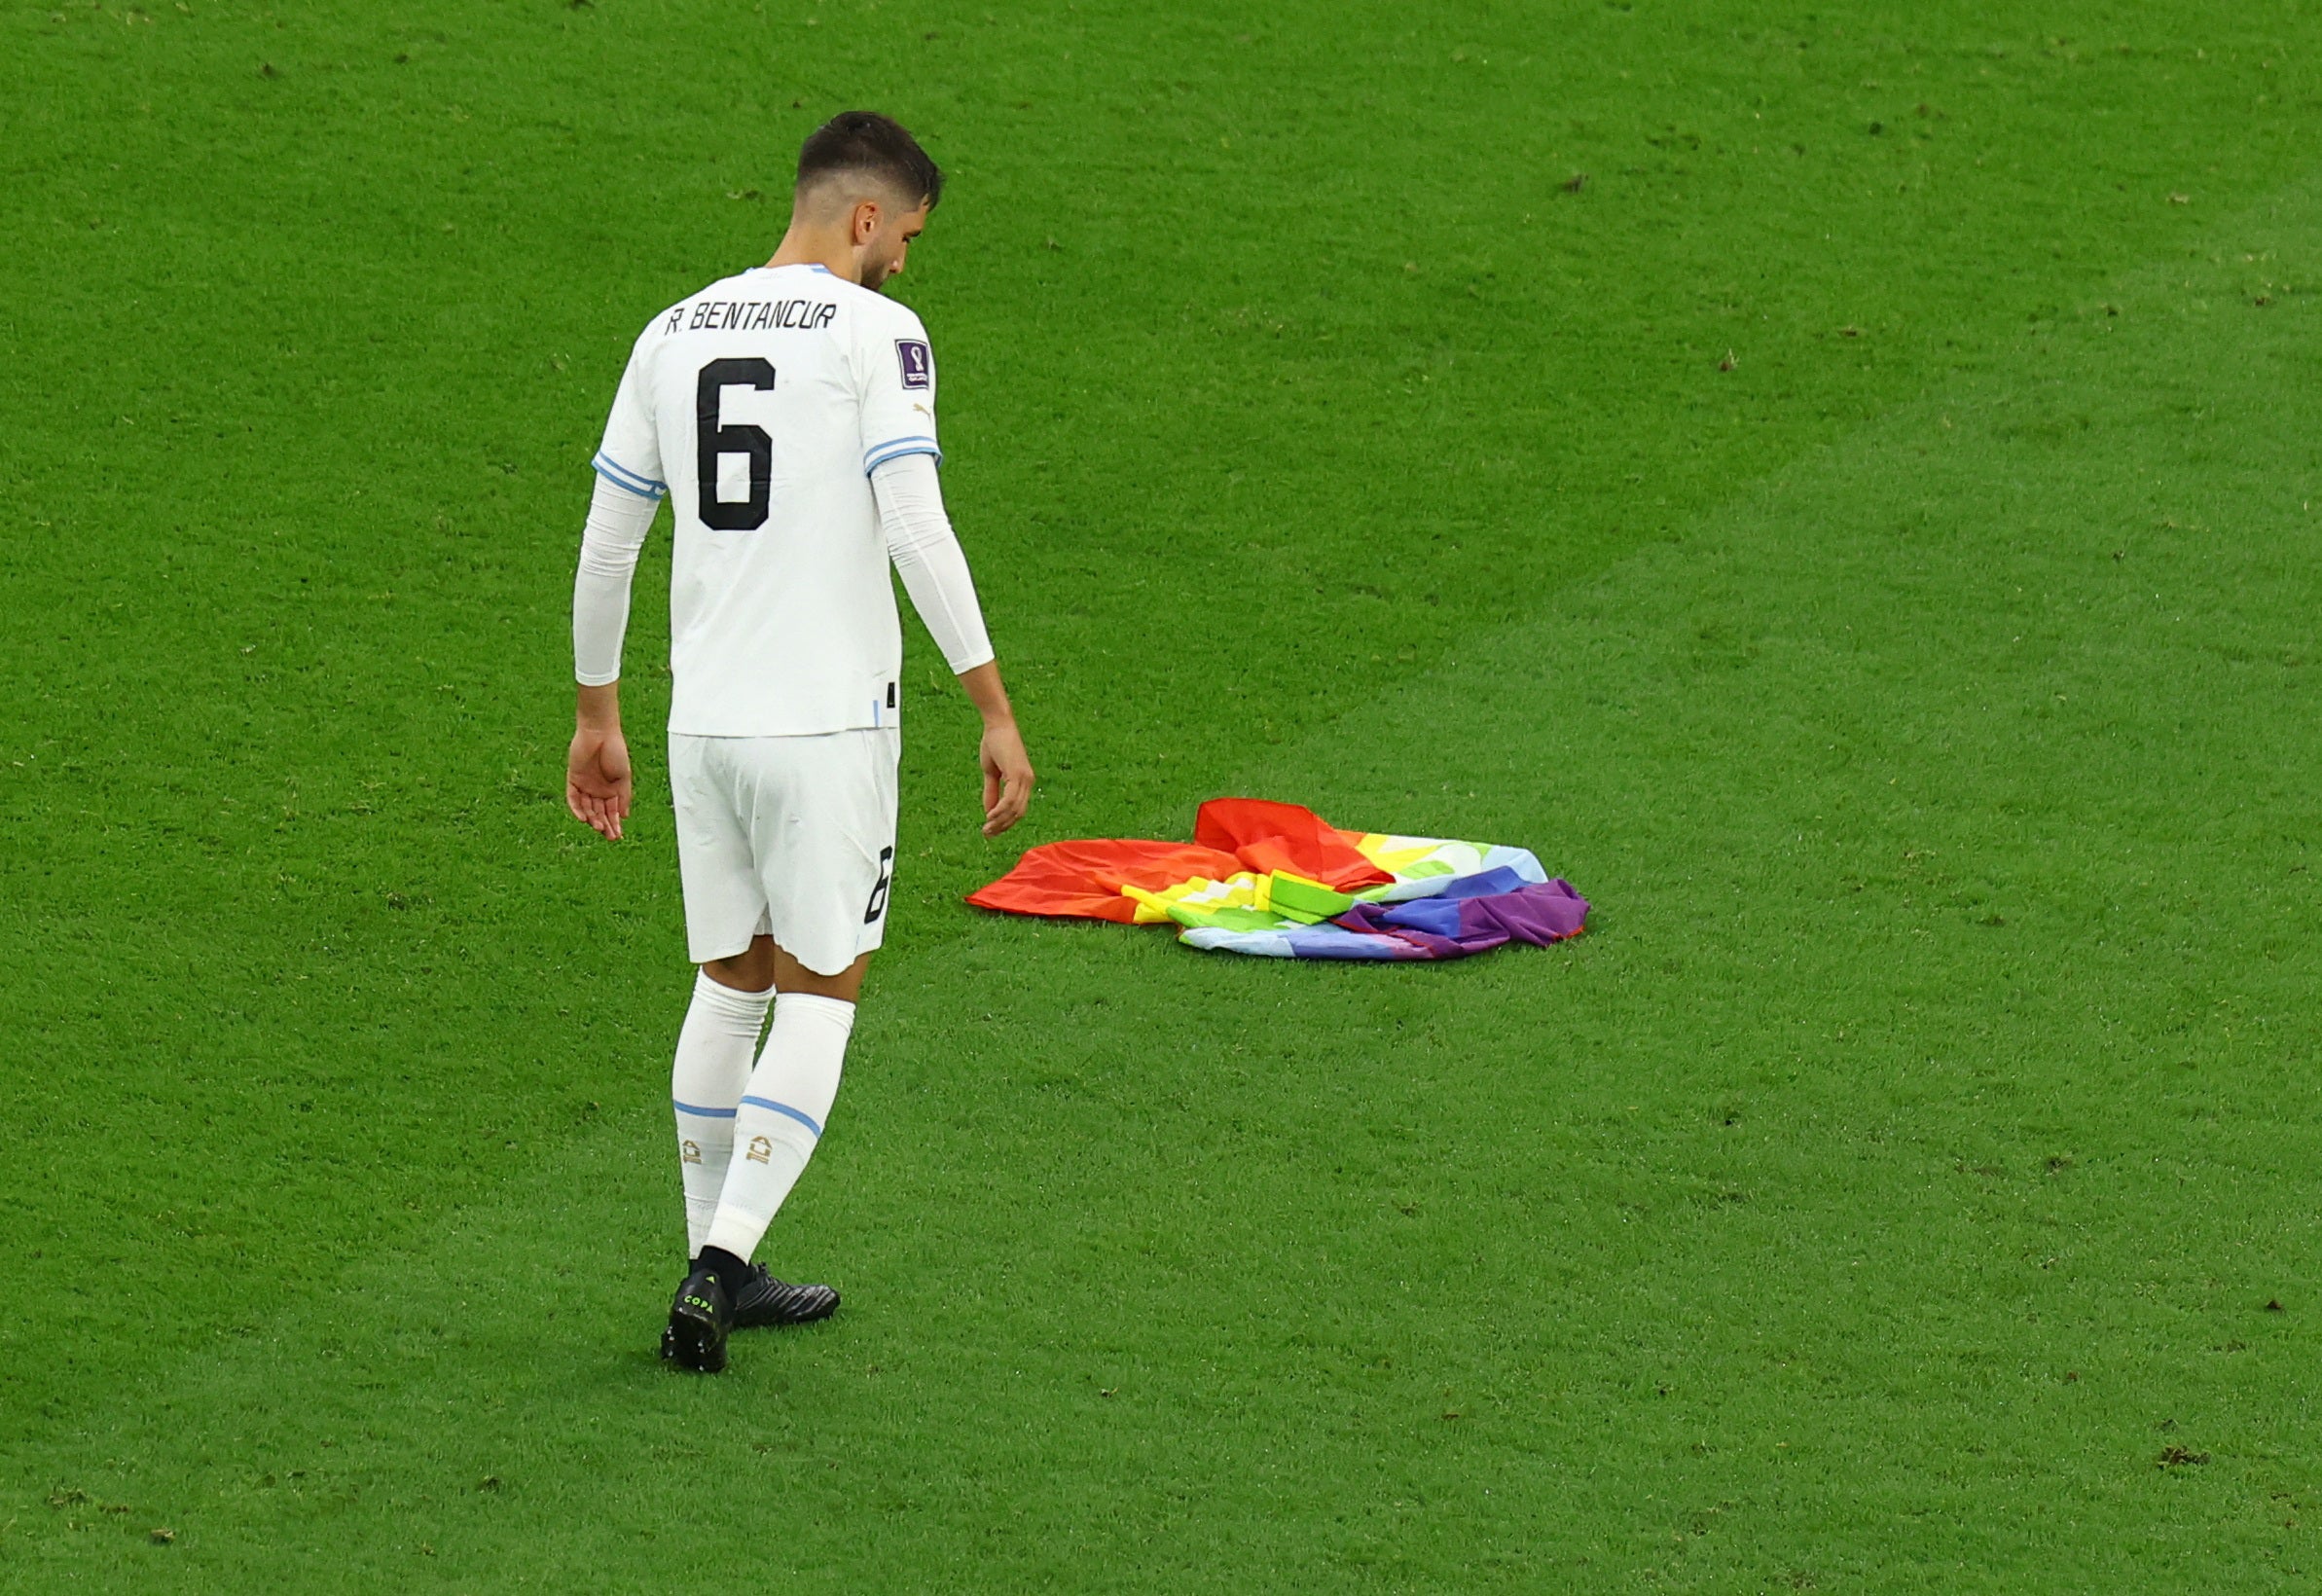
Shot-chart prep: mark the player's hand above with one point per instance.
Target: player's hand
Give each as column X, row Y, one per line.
column 597, row 785
column 1007, row 778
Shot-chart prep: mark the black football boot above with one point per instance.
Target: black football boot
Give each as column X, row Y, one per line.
column 766, row 1301
column 699, row 1320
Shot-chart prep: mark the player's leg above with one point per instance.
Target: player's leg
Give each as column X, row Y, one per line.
column 716, row 1048
column 782, row 1111
column 828, row 844
column 725, row 911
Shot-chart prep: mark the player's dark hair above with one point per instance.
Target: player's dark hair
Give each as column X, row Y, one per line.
column 876, row 146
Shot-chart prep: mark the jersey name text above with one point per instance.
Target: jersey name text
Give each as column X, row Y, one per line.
column 749, row 316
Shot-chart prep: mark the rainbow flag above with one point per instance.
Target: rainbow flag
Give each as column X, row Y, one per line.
column 1277, row 881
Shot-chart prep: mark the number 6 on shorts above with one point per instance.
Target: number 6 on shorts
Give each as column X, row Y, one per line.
column 887, row 875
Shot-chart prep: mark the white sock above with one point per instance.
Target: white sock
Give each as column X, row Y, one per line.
column 781, row 1115
column 714, row 1062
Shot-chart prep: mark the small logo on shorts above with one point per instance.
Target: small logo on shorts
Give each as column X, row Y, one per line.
column 919, row 366
column 761, row 1149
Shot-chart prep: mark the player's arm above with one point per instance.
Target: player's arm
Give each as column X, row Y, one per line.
column 598, row 783
column 928, row 555
column 1007, row 768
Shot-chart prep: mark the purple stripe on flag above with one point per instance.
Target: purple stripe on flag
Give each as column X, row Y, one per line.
column 1473, row 916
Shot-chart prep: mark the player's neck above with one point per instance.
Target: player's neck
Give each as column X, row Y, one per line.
column 831, row 251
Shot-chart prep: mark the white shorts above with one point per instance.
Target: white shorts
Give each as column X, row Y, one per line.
column 788, row 837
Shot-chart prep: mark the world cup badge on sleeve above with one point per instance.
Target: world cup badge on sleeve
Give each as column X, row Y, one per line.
column 919, row 366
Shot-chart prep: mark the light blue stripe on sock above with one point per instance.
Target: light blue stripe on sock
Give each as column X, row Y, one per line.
column 706, row 1113
column 784, row 1109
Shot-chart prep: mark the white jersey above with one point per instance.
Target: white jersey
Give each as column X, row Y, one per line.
column 760, row 406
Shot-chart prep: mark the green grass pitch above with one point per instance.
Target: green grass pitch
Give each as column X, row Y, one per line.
column 1837, row 482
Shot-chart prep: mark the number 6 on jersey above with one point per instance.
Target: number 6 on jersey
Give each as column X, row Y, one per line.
column 712, row 440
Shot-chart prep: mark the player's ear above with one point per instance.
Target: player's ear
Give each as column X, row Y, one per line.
column 866, row 221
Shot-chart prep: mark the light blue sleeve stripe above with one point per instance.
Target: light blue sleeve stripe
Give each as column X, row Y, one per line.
column 896, row 450
column 704, row 1113
column 784, row 1109
column 640, row 492
column 613, row 470
column 619, row 476
column 607, row 463
column 906, row 438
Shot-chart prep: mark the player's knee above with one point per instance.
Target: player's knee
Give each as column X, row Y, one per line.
column 790, row 975
column 750, row 970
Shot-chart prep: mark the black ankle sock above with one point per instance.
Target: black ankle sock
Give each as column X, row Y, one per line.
column 731, row 1272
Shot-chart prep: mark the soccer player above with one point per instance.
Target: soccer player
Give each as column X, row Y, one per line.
column 788, row 415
